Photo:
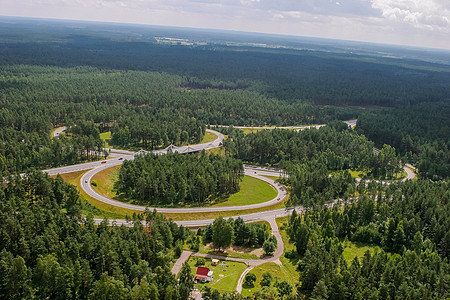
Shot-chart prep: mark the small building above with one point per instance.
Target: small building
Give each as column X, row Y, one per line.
column 203, row 274
column 214, row 262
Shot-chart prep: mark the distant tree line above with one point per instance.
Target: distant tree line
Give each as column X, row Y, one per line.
column 336, row 149
column 179, row 178
column 149, row 131
column 420, row 133
column 326, row 78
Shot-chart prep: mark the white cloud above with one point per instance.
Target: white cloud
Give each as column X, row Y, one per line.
column 428, row 14
column 409, row 22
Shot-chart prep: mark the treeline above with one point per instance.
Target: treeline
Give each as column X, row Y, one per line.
column 156, row 131
column 26, row 140
column 107, row 93
column 223, row 233
column 177, row 179
column 47, row 251
column 420, row 133
column 409, row 221
column 336, row 149
column 320, row 76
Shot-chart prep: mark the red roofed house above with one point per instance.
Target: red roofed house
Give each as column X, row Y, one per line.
column 203, row 274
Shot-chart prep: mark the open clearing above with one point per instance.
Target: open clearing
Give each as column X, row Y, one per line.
column 279, row 274
column 106, row 136
column 252, row 191
column 354, row 249
column 226, row 274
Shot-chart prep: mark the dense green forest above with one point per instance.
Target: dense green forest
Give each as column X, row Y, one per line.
column 47, row 251
column 324, row 77
column 175, row 179
column 105, row 77
column 420, row 132
column 337, row 147
column 410, row 224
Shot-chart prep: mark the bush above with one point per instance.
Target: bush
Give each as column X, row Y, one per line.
column 269, row 247
column 94, row 182
column 178, row 248
column 200, row 261
column 249, row 279
column 267, row 279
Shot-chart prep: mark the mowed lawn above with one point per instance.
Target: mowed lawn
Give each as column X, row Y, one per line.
column 92, row 206
column 225, row 276
column 105, row 181
column 252, row 191
column 209, row 137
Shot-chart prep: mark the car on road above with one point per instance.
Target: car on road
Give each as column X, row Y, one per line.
column 104, row 162
column 120, row 158
column 278, row 198
column 85, row 181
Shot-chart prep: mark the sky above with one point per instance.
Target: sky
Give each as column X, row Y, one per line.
column 423, row 23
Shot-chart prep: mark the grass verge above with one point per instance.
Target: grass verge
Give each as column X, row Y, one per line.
column 209, row 137
column 252, row 191
column 289, row 263
column 92, row 206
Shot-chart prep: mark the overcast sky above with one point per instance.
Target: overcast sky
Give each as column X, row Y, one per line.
column 408, row 22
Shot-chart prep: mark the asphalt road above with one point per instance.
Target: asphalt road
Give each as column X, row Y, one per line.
column 87, row 187
column 258, row 172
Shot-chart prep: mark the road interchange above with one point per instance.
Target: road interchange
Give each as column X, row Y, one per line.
column 119, row 156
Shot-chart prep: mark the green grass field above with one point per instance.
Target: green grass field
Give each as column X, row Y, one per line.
column 279, row 274
column 352, row 249
column 289, row 263
column 92, row 206
column 209, row 137
column 225, row 276
column 106, row 136
column 252, row 191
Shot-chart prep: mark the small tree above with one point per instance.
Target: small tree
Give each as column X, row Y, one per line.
column 249, row 279
column 222, row 233
column 267, row 279
column 270, row 245
column 284, row 289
